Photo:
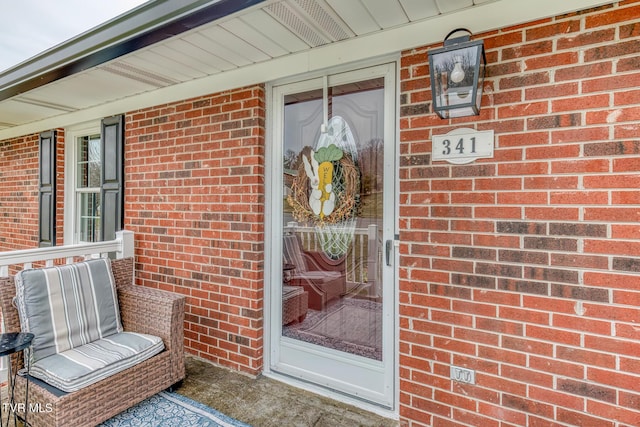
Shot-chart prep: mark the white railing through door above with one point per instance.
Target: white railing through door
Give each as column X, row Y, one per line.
column 363, row 262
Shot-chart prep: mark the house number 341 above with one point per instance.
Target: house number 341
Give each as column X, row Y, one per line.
column 462, row 146
column 459, row 146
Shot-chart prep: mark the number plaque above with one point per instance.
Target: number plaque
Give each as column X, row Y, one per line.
column 461, row 146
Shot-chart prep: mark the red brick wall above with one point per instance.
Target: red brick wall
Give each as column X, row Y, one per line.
column 194, row 198
column 524, row 267
column 19, row 163
column 19, row 193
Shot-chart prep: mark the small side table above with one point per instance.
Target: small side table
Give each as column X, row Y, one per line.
column 11, row 343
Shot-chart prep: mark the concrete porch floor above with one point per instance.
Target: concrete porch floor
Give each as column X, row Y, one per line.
column 264, row 402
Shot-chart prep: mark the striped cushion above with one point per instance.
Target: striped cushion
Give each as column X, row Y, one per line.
column 67, row 306
column 79, row 367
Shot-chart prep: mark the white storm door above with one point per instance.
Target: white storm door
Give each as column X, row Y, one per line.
column 331, row 209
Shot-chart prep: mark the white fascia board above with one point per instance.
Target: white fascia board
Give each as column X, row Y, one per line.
column 478, row 19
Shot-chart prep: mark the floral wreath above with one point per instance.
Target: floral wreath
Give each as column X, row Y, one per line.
column 326, row 189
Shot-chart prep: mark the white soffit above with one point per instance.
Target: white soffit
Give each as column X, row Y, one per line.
column 273, row 40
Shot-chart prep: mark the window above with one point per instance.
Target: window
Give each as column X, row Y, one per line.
column 87, row 189
column 94, row 183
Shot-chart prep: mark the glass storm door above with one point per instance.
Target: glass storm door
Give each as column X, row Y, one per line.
column 332, row 200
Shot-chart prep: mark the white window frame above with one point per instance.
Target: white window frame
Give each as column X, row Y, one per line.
column 71, row 215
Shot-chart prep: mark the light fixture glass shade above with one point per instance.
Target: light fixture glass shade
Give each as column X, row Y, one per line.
column 457, row 75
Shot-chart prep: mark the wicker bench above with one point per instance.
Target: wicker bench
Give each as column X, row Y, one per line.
column 142, row 310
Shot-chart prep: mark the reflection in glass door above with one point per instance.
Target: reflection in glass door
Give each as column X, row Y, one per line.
column 336, row 294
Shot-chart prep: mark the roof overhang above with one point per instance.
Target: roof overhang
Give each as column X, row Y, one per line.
column 150, row 23
column 171, row 50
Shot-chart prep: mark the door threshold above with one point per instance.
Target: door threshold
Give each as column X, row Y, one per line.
column 333, row 394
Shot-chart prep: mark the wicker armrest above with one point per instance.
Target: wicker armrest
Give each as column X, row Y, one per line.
column 154, row 312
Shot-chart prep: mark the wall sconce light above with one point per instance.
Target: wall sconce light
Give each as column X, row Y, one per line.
column 457, row 75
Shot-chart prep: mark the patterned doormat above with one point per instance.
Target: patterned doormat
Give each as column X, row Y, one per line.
column 350, row 325
column 171, row 410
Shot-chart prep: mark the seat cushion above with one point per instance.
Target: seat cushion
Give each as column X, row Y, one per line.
column 291, row 291
column 67, row 306
column 81, row 366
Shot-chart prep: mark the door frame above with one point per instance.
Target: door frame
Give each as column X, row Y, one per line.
column 273, row 243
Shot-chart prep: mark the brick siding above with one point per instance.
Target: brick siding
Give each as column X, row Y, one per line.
column 194, row 198
column 19, row 191
column 524, row 267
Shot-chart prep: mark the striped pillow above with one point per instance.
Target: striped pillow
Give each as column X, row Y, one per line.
column 67, row 306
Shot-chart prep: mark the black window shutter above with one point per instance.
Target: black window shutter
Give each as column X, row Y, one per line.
column 112, row 193
column 47, row 190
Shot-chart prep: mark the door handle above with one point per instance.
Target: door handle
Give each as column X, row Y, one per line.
column 388, row 248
